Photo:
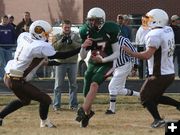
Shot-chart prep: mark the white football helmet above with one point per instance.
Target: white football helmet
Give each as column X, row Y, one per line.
column 157, row 18
column 40, row 30
column 98, row 14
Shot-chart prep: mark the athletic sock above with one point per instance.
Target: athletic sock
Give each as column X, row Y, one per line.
column 112, row 105
column 168, row 101
column 132, row 93
column 11, row 107
column 152, row 108
column 43, row 111
column 136, row 94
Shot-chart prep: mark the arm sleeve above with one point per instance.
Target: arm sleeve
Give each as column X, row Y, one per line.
column 114, row 55
column 83, row 53
column 64, row 55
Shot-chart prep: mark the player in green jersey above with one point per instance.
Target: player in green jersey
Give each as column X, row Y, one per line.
column 100, row 38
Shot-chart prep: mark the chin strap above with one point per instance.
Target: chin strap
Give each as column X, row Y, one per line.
column 33, row 36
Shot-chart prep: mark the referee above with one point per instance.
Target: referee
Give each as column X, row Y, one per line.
column 123, row 66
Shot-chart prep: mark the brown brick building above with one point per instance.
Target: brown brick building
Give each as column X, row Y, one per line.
column 76, row 10
column 134, row 7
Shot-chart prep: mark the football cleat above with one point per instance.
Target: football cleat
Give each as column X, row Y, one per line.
column 158, row 124
column 109, row 112
column 80, row 114
column 47, row 123
column 85, row 121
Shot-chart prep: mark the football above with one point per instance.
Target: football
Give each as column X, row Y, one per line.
column 99, row 52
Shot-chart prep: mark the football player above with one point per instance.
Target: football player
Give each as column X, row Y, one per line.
column 32, row 49
column 159, row 53
column 100, row 38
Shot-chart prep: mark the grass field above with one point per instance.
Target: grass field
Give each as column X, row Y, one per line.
column 130, row 118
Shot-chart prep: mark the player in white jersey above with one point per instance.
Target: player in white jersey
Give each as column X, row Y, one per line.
column 31, row 50
column 159, row 53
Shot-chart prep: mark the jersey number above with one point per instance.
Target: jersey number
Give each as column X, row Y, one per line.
column 171, row 47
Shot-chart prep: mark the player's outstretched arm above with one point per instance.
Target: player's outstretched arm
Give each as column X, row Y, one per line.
column 64, row 55
column 144, row 55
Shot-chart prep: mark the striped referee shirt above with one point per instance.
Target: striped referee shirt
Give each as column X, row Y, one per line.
column 124, row 57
